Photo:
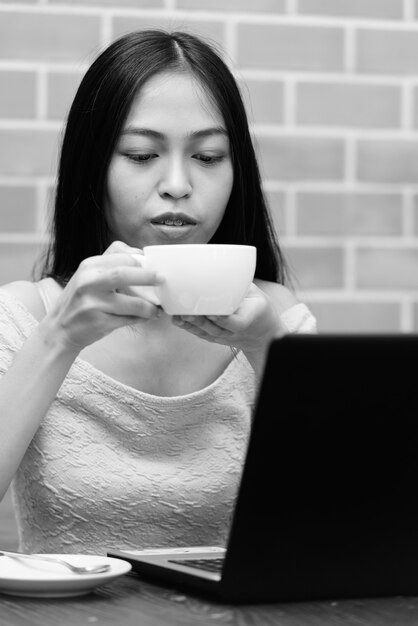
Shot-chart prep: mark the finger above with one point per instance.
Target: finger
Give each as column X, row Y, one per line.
column 232, row 323
column 201, row 326
column 225, row 340
column 121, row 246
column 120, row 277
column 119, row 321
column 123, row 305
column 206, row 324
column 191, row 328
column 112, row 259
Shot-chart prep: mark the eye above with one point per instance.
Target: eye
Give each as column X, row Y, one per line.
column 208, row 159
column 141, row 158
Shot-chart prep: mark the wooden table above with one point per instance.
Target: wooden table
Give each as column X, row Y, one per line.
column 130, row 601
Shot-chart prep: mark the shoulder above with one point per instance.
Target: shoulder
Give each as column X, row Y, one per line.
column 28, row 294
column 282, row 298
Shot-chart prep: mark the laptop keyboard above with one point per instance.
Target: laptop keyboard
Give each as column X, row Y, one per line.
column 211, row 565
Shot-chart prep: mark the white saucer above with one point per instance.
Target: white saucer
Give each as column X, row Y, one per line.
column 50, row 580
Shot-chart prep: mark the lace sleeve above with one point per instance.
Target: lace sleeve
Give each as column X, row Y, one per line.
column 16, row 324
column 299, row 319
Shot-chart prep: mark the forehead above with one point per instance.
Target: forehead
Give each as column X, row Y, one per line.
column 176, row 99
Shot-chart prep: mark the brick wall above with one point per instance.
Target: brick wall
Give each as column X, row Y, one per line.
column 332, row 92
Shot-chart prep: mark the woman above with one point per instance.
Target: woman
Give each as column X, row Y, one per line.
column 120, row 425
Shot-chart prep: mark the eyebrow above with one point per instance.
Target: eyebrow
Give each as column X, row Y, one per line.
column 155, row 134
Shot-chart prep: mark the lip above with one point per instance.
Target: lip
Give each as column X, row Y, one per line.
column 173, row 219
column 173, row 225
column 171, row 233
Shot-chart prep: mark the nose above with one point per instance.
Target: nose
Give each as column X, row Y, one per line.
column 175, row 181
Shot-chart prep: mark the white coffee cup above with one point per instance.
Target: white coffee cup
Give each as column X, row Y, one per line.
column 199, row 279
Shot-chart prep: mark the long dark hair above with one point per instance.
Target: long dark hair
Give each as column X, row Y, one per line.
column 94, row 123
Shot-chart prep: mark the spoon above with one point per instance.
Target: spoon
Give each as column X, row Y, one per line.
column 77, row 569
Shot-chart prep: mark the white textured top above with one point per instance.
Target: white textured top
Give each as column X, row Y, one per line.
column 111, row 466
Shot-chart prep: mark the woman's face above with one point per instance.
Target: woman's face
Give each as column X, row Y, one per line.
column 171, row 175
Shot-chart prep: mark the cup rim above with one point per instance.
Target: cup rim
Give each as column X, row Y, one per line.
column 199, row 245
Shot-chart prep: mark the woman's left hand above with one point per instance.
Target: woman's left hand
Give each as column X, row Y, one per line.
column 250, row 328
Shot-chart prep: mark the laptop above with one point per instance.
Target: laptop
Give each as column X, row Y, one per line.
column 327, row 506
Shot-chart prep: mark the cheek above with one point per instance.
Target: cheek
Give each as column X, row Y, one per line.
column 222, row 191
column 119, row 193
column 115, row 202
column 217, row 203
column 111, row 189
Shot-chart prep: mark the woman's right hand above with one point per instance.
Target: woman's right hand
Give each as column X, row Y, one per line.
column 97, row 299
